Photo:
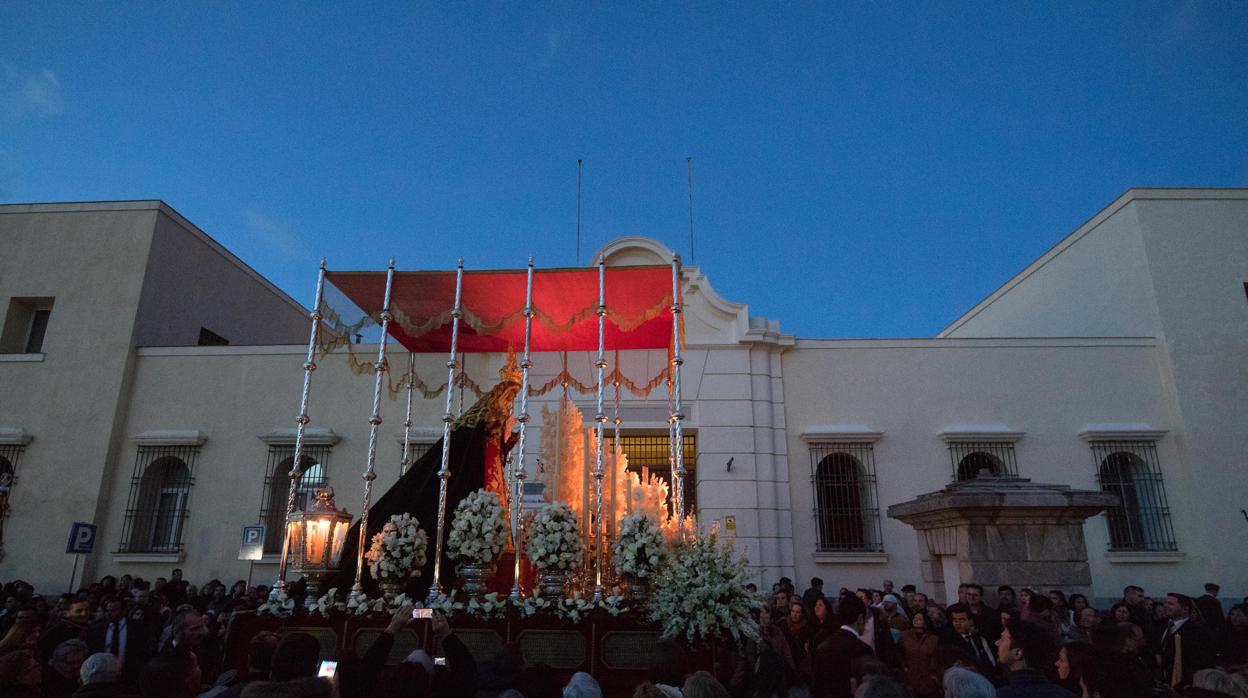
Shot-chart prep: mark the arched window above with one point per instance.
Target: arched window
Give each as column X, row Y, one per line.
column 845, row 510
column 314, row 477
column 158, row 513
column 1141, row 519
column 972, row 464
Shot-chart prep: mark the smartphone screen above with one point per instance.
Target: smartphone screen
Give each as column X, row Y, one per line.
column 328, row 669
column 425, row 613
column 439, row 661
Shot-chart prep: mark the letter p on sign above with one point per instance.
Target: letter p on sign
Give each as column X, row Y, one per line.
column 81, row 539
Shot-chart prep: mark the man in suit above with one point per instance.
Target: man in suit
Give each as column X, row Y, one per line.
column 966, row 635
column 1186, row 645
column 1026, row 650
column 1211, row 609
column 835, row 655
column 119, row 636
column 987, row 618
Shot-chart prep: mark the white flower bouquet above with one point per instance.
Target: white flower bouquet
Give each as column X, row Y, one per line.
column 701, row 593
column 639, row 549
column 279, row 604
column 554, row 542
column 479, row 531
column 398, row 550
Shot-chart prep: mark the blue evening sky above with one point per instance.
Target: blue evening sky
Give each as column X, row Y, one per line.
column 860, row 169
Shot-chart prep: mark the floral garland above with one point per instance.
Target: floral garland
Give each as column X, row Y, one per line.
column 479, row 531
column 398, row 550
column 553, row 540
column 701, row 593
column 279, row 604
column 639, row 550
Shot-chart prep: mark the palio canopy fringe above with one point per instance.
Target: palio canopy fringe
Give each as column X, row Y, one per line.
column 565, row 302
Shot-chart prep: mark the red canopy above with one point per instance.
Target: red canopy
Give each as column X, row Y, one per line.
column 565, row 301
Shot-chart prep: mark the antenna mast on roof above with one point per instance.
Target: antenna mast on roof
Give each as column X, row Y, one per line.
column 689, row 165
column 578, row 213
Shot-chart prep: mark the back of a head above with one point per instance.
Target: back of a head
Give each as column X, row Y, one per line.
column 703, row 684
column 1114, row 675
column 667, row 665
column 167, row 676
column 1221, row 681
column 260, row 652
column 881, row 686
column 100, row 667
column 296, row 657
column 582, row 685
column 851, row 608
column 961, row 682
column 1035, row 641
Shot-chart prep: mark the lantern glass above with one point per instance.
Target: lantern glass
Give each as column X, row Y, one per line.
column 317, row 535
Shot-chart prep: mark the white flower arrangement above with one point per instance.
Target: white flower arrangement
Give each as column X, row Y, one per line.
column 279, row 604
column 479, row 531
column 361, row 605
column 701, row 593
column 492, row 606
column 553, row 541
column 398, row 550
column 639, row 549
column 615, row 602
column 328, row 604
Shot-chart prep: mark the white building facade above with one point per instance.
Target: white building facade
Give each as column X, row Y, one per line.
column 1117, row 361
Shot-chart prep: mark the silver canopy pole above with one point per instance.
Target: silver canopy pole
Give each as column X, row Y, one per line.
column 677, row 415
column 599, row 418
column 517, row 526
column 444, row 473
column 407, row 418
column 301, row 421
column 374, row 421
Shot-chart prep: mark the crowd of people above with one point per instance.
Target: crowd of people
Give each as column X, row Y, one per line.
column 123, row 637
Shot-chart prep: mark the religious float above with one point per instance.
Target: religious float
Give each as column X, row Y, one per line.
column 582, row 569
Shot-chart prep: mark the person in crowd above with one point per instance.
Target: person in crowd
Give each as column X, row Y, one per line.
column 1218, row 683
column 582, row 685
column 907, row 598
column 176, row 589
column 1133, row 597
column 125, row 639
column 260, row 651
column 772, row 678
column 60, row 678
column 1062, row 615
column 667, row 667
column 987, row 619
column 71, row 625
column 1211, row 608
column 1186, row 645
column 833, row 658
column 815, row 591
column 403, row 680
column 780, row 601
column 894, row 618
column 1042, row 613
column 1006, row 598
column 1072, row 660
column 983, row 658
column 100, row 675
column 1087, row 619
column 919, row 603
column 702, row 684
column 1112, row 677
column 774, row 639
column 798, row 630
column 823, row 622
column 25, row 633
column 1025, row 650
column 20, row 675
column 1233, row 645
column 1024, row 603
column 939, row 621
column 172, row 674
column 918, row 657
column 1120, row 613
column 960, row 682
column 880, row 686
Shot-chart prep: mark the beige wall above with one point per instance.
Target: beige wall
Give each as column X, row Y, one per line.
column 90, row 258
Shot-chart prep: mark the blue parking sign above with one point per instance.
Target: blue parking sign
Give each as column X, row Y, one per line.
column 81, row 539
column 252, row 547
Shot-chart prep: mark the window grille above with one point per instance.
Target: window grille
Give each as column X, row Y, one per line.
column 847, row 511
column 652, row 451
column 417, row 450
column 315, row 469
column 160, row 491
column 971, row 457
column 10, row 454
column 1141, row 519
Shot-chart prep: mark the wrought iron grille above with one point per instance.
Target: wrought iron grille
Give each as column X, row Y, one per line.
column 416, row 450
column 10, row 454
column 1141, row 520
column 847, row 512
column 160, row 492
column 970, row 457
column 652, row 451
column 315, row 468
